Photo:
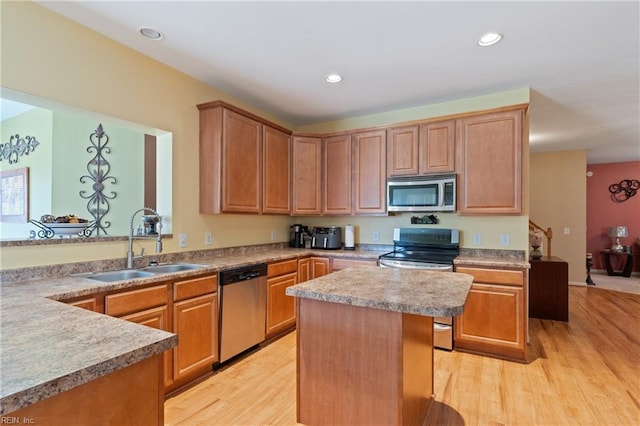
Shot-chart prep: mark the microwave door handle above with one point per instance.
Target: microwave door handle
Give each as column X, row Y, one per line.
column 441, row 194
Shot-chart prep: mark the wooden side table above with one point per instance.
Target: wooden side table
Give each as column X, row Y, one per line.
column 549, row 289
column 628, row 263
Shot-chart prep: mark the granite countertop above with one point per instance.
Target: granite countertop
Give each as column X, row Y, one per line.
column 412, row 291
column 491, row 262
column 48, row 347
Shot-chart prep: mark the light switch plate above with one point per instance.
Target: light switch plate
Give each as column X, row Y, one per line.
column 505, row 240
column 208, row 239
column 376, row 236
column 477, row 239
column 182, row 239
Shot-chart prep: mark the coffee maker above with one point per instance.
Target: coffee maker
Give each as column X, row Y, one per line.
column 297, row 234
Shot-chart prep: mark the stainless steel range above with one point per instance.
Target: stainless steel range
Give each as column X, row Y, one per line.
column 426, row 248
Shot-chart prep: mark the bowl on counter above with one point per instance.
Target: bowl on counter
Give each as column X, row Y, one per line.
column 67, row 229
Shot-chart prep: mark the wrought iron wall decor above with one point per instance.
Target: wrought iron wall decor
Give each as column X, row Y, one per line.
column 23, row 146
column 98, row 167
column 624, row 190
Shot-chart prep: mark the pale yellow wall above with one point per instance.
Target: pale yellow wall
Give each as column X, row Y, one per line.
column 558, row 200
column 495, row 100
column 46, row 55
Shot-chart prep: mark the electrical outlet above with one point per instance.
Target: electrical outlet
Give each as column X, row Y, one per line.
column 477, row 239
column 208, row 239
column 376, row 236
column 504, row 240
column 567, row 230
column 273, row 235
column 182, row 239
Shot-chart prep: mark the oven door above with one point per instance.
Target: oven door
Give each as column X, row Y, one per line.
column 443, row 333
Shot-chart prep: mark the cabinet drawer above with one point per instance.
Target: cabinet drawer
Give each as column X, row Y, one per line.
column 494, row 276
column 280, row 268
column 196, row 287
column 135, row 300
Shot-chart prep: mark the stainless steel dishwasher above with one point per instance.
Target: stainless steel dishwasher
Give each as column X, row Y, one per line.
column 243, row 306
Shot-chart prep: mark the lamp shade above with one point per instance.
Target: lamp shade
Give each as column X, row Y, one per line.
column 618, row 231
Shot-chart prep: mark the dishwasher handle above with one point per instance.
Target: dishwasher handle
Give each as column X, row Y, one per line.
column 248, row 275
column 244, row 273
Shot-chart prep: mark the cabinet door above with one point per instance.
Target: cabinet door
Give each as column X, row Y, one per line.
column 281, row 312
column 195, row 321
column 490, row 163
column 336, row 175
column 306, row 176
column 276, row 146
column 156, row 318
column 402, row 151
column 437, row 147
column 319, row 266
column 241, row 164
column 370, row 150
column 304, row 270
column 492, row 321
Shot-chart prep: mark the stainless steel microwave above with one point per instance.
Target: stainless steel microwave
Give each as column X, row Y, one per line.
column 434, row 193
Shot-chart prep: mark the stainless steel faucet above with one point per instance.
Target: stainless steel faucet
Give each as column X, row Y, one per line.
column 130, row 254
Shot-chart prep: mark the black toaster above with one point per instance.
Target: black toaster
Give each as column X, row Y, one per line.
column 326, row 238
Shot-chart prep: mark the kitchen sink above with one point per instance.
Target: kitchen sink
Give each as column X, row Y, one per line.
column 125, row 274
column 172, row 267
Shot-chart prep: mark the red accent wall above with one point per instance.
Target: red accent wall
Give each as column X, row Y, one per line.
column 603, row 212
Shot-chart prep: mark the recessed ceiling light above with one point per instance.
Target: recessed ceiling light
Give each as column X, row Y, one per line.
column 489, row 39
column 333, row 78
column 150, row 33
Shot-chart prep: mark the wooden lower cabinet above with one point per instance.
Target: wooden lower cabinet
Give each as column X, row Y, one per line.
column 495, row 315
column 188, row 308
column 304, row 270
column 195, row 322
column 319, row 266
column 281, row 311
column 156, row 318
column 130, row 396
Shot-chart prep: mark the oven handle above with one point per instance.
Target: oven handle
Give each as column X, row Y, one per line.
column 438, row 326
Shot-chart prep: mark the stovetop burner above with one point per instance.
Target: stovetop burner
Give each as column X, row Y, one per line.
column 427, row 247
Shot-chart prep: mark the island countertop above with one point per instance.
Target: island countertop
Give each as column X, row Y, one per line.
column 421, row 292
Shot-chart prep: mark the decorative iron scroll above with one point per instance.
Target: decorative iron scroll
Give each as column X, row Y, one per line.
column 98, row 167
column 23, row 146
column 624, row 190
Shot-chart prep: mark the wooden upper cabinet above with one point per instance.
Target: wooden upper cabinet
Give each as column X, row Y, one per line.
column 276, row 147
column 306, row 182
column 437, row 147
column 241, row 164
column 490, row 163
column 370, row 175
column 402, row 151
column 244, row 160
column 336, row 175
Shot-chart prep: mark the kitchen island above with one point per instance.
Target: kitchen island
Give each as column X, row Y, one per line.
column 365, row 343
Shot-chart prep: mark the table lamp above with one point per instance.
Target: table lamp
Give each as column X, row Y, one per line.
column 617, row 232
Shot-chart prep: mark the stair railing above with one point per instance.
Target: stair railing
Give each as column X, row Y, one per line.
column 548, row 233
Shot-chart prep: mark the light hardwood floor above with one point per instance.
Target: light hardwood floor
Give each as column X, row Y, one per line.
column 584, row 372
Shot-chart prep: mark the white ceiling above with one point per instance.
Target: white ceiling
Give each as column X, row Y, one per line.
column 580, row 59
